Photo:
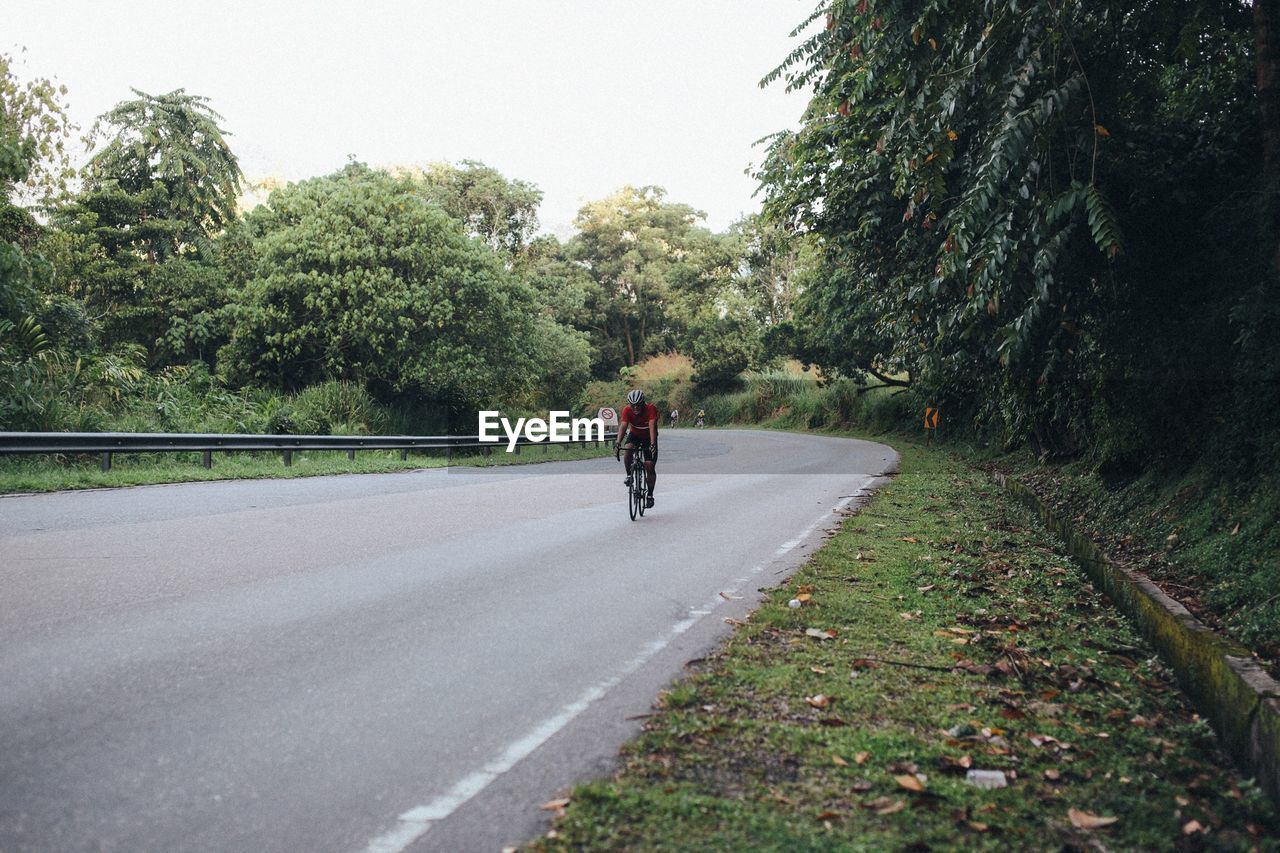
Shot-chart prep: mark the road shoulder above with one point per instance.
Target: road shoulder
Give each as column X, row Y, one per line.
column 940, row 632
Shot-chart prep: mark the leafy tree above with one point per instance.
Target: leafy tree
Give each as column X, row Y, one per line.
column 502, row 212
column 173, row 142
column 1004, row 192
column 653, row 268
column 34, row 163
column 359, row 278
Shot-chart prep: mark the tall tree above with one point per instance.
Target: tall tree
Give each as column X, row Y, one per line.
column 653, row 266
column 502, row 212
column 171, row 150
column 1004, row 191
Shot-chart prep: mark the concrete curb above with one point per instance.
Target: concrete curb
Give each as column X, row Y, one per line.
column 1224, row 681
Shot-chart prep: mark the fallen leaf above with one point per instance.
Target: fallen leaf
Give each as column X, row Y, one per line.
column 838, row 761
column 861, row 786
column 926, row 588
column 1052, row 775
column 828, row 634
column 861, row 757
column 1102, row 131
column 885, row 805
column 557, row 806
column 818, row 670
column 1235, row 529
column 977, row 826
column 819, row 701
column 1087, row 820
column 828, row 816
column 908, row 539
column 803, row 597
column 1191, row 827
column 910, row 782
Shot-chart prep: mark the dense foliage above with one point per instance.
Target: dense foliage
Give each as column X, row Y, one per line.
column 1044, row 214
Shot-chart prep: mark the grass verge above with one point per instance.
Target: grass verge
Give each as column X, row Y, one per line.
column 940, row 632
column 44, row 474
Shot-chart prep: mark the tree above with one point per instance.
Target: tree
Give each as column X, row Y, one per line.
column 170, row 150
column 1004, row 192
column 359, row 278
column 34, row 163
column 653, row 267
column 501, row 212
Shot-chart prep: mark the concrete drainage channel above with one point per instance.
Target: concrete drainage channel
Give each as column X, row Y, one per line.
column 1224, row 681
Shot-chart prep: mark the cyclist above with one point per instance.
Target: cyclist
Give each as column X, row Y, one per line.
column 674, row 417
column 640, row 421
column 701, row 417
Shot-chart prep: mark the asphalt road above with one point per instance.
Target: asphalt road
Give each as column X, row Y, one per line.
column 389, row 662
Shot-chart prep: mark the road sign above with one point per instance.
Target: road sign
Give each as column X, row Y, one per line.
column 609, row 416
column 931, row 416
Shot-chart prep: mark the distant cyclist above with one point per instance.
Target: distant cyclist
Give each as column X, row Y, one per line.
column 639, row 421
column 702, row 416
column 675, row 417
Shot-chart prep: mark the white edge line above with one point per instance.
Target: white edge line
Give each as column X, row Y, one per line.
column 415, row 822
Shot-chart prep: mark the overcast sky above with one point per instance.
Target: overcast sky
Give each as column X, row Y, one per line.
column 577, row 96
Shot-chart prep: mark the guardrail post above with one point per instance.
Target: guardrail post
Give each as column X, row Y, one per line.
column 288, row 458
column 106, row 462
column 517, row 450
column 206, row 459
column 404, row 454
column 351, row 454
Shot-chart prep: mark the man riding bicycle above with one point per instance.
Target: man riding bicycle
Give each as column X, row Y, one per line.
column 639, row 420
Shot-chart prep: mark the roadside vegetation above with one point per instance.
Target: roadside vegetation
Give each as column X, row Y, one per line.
column 940, row 636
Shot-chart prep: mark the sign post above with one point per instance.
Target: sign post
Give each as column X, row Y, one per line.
column 932, row 415
column 610, row 418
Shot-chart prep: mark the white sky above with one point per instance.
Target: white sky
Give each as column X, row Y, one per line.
column 576, row 96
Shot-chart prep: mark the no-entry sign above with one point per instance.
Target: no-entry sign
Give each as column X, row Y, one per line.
column 609, row 416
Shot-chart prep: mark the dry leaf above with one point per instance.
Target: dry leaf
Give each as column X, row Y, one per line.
column 1086, row 820
column 1235, row 529
column 1191, row 827
column 819, row 701
column 978, row 827
column 803, row 597
column 556, row 806
column 891, row 808
column 828, row 815
column 1052, row 775
column 926, row 588
column 828, row 634
column 910, row 782
column 818, row 670
column 838, row 761
column 861, row 757
column 908, row 539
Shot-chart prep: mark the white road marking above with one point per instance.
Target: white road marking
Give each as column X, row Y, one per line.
column 415, row 822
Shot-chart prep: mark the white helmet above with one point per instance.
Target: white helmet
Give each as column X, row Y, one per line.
column 636, row 397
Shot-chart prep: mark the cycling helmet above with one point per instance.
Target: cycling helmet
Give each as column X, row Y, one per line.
column 635, row 397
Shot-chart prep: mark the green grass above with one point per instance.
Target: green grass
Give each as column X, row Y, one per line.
column 46, row 474
column 1029, row 671
column 1224, row 559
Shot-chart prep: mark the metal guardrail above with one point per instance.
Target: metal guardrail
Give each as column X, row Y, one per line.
column 109, row 443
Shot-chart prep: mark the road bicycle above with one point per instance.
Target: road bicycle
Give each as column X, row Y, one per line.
column 638, row 489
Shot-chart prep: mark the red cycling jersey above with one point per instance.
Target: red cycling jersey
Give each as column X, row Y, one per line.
column 639, row 420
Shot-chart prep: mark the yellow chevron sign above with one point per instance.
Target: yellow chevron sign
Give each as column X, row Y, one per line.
column 931, row 416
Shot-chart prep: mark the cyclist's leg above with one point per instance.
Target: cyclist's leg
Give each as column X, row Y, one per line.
column 651, row 469
column 628, row 451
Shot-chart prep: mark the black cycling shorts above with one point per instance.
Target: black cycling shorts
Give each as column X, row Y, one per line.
column 649, row 451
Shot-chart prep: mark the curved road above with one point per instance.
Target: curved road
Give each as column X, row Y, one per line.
column 384, row 662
